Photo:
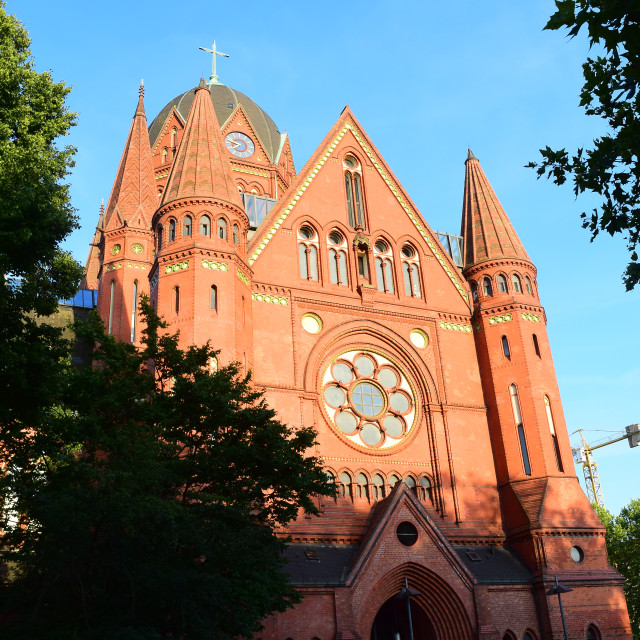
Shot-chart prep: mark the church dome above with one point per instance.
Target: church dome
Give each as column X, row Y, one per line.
column 225, row 100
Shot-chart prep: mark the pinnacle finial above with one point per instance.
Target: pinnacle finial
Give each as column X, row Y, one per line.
column 101, row 206
column 141, row 90
column 470, row 155
column 203, row 84
column 140, row 107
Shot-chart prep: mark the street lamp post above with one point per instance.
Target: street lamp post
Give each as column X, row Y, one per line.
column 406, row 594
column 560, row 589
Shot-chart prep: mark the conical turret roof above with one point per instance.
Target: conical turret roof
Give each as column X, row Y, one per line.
column 487, row 231
column 134, row 189
column 201, row 167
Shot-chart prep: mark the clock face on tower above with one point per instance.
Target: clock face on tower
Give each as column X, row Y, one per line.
column 239, row 144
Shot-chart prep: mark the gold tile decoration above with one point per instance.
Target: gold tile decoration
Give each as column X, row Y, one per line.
column 531, row 317
column 454, row 326
column 216, row 266
column 242, row 277
column 178, row 266
column 265, row 297
column 505, row 317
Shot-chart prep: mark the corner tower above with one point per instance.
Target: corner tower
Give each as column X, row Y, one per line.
column 126, row 244
column 200, row 280
column 546, row 515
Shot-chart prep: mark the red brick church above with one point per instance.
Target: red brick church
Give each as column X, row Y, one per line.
column 421, row 359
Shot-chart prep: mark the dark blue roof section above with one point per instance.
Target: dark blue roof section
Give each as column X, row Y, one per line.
column 493, row 564
column 318, row 564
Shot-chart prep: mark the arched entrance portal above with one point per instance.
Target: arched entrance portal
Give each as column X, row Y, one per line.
column 392, row 622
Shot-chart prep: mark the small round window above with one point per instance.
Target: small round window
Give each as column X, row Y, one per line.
column 351, row 162
column 407, row 534
column 577, row 554
column 381, row 246
column 408, row 251
column 116, row 249
column 311, row 323
column 419, row 338
column 307, row 232
column 335, row 237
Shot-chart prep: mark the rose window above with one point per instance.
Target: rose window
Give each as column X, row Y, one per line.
column 369, row 399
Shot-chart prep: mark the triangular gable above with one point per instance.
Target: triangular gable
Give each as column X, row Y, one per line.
column 347, row 123
column 115, row 220
column 239, row 121
column 172, row 117
column 402, row 496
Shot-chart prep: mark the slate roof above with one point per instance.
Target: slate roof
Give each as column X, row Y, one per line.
column 318, row 563
column 494, row 564
column 224, row 100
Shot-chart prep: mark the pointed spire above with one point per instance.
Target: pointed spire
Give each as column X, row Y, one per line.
column 134, row 188
column 202, row 166
column 487, row 231
column 92, row 266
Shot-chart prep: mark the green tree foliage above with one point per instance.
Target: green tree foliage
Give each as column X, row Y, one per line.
column 623, row 547
column 35, row 217
column 611, row 167
column 148, row 506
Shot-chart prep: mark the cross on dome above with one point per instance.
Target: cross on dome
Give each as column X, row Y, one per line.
column 214, row 52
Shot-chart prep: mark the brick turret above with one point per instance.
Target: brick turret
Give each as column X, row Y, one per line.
column 201, row 280
column 127, row 241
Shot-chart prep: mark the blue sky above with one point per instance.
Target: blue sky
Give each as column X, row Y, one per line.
column 426, row 80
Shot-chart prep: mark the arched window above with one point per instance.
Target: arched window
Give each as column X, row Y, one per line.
column 337, row 258
column 353, row 189
column 474, row 290
column 222, row 229
column 187, row 225
column 112, row 290
column 411, row 271
column 508, row 636
column 134, row 310
column 362, row 482
column 517, row 285
column 426, row 489
column 536, row 346
column 176, row 300
column 345, row 484
column 378, row 487
column 487, row 289
column 165, row 152
column 593, row 633
column 384, row 266
column 517, row 416
column 235, row 234
column 528, row 635
column 172, row 230
column 213, row 297
column 501, row 281
column 205, row 226
column 174, row 132
column 410, row 481
column 505, row 348
column 554, row 436
column 393, row 480
column 308, row 252
column 527, row 285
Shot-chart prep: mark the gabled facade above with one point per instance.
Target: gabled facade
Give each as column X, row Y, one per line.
column 431, row 386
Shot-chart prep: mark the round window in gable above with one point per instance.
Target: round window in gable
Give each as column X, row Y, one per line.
column 419, row 338
column 311, row 323
column 381, row 246
column 307, row 232
column 351, row 162
column 335, row 237
column 408, row 251
column 407, row 534
column 115, row 250
column 577, row 554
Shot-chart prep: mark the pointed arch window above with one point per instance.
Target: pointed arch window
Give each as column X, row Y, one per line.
column 411, row 271
column 176, row 300
column 159, row 231
column 172, row 230
column 187, row 225
column 393, row 480
column 112, row 290
column 165, row 153
column 505, row 348
column 353, row 189
column 222, row 229
column 487, row 289
column 426, row 489
column 517, row 416
column 384, row 266
column 362, row 483
column 205, row 225
column 134, row 311
column 174, row 133
column 234, row 231
column 474, row 290
column 378, row 487
column 554, row 436
column 344, row 487
column 536, row 345
column 337, row 258
column 516, row 282
column 501, row 282
column 308, row 252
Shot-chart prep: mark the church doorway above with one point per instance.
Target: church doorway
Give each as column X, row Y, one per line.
column 392, row 622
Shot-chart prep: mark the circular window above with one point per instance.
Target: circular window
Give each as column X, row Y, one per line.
column 419, row 338
column 408, row 251
column 577, row 554
column 335, row 237
column 307, row 232
column 311, row 323
column 407, row 534
column 381, row 246
column 115, row 250
column 136, row 247
column 350, row 161
column 369, row 399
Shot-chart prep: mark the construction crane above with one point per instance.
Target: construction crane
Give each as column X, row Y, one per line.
column 584, row 455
